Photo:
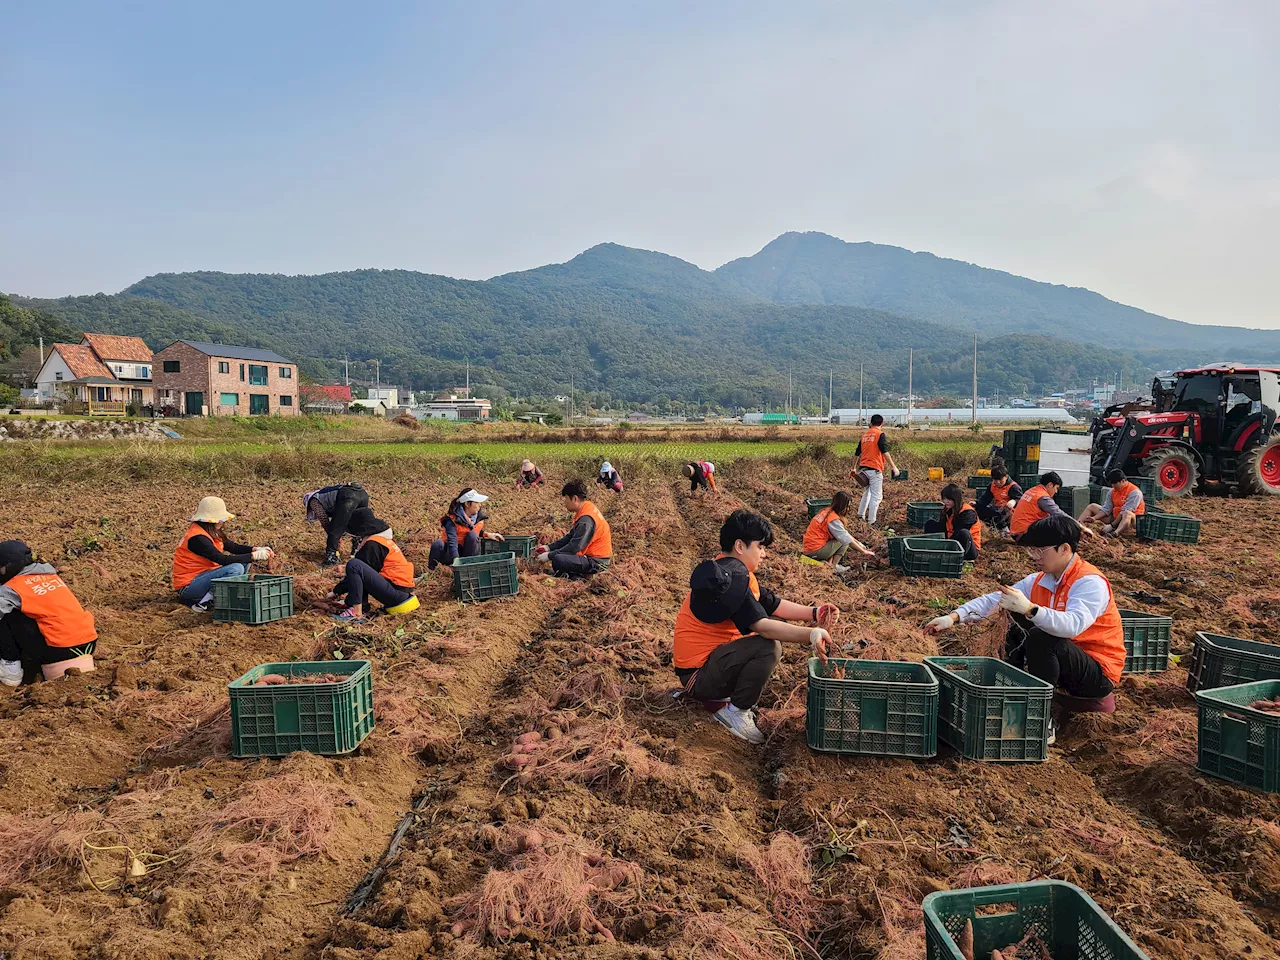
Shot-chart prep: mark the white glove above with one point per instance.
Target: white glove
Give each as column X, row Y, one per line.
column 263, row 553
column 1015, row 601
column 819, row 643
column 939, row 624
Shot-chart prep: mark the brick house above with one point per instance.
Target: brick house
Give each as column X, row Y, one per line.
column 104, row 373
column 194, row 378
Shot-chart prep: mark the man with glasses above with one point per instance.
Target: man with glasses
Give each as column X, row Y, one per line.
column 1064, row 626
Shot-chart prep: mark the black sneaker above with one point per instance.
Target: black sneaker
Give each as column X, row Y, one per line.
column 330, row 558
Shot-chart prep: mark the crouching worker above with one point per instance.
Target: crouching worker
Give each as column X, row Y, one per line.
column 1038, row 503
column 379, row 570
column 1121, row 508
column 530, row 476
column 588, row 546
column 995, row 505
column 1065, row 626
column 204, row 555
column 41, row 622
column 461, row 530
column 332, row 507
column 729, row 632
column 609, row 478
column 959, row 521
column 827, row 539
column 700, row 473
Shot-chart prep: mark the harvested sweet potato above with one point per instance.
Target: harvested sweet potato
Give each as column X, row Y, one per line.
column 531, row 737
column 966, row 941
column 270, row 679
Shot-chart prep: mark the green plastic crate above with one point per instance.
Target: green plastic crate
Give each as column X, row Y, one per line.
column 1066, row 918
column 1073, row 500
column 1097, row 492
column 990, row 710
column 1221, row 661
column 483, row 578
column 518, row 543
column 1027, row 480
column 881, row 708
column 903, row 474
column 329, row 718
column 815, row 506
column 977, row 483
column 1238, row 743
column 1150, row 487
column 927, row 557
column 1018, row 444
column 918, row 511
column 895, row 546
column 1146, row 641
column 1168, row 526
column 1020, row 468
column 252, row 598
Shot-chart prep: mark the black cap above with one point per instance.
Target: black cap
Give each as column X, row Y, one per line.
column 1051, row 531
column 364, row 524
column 15, row 551
column 1115, row 475
column 718, row 584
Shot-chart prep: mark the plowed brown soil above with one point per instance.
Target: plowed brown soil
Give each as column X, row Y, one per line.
column 630, row 826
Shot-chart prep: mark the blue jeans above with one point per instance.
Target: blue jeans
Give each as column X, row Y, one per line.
column 195, row 591
column 362, row 580
column 441, row 552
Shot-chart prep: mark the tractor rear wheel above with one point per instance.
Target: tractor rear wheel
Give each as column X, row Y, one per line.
column 1174, row 469
column 1260, row 469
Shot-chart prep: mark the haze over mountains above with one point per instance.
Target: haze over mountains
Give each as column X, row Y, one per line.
column 644, row 326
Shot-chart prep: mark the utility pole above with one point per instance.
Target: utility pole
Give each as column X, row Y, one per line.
column 859, row 393
column 975, row 379
column 42, row 351
column 377, row 376
column 830, row 381
column 910, row 397
column 468, row 387
column 346, row 370
column 788, row 392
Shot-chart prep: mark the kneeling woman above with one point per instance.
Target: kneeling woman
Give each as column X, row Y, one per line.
column 41, row 622
column 959, row 521
column 379, row 570
column 461, row 530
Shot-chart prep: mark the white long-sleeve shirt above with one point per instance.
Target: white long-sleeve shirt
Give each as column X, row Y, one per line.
column 1087, row 600
column 837, row 530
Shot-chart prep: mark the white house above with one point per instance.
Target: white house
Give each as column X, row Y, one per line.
column 108, row 373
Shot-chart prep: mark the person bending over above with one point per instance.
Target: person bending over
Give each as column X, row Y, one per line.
column 700, row 473
column 530, row 476
column 609, row 478
column 332, row 507
column 730, row 631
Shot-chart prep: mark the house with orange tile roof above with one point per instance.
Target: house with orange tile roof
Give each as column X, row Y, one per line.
column 106, row 373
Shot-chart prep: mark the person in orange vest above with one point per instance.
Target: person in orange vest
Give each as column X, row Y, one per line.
column 996, row 504
column 959, row 521
column 700, row 473
column 461, row 530
column 827, row 539
column 1065, row 627
column 1038, row 503
column 871, row 456
column 730, row 631
column 588, row 546
column 204, row 555
column 41, row 622
column 1121, row 509
column 379, row 569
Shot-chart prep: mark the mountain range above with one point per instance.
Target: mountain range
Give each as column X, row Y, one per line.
column 638, row 326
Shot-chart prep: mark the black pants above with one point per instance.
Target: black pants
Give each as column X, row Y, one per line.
column 1055, row 660
column 699, row 479
column 348, row 500
column 441, row 552
column 575, row 567
column 962, row 537
column 990, row 513
column 21, row 639
column 362, row 581
column 736, row 671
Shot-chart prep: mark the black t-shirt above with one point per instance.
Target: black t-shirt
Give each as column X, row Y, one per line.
column 883, row 444
column 712, row 601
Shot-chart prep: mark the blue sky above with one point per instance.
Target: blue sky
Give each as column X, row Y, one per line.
column 1130, row 146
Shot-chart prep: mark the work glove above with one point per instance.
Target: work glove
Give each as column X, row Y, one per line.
column 820, row 643
column 1015, row 601
column 942, row 623
column 895, row 471
column 263, row 553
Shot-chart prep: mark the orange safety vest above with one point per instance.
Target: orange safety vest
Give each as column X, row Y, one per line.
column 1028, row 510
column 871, row 456
column 601, row 545
column 463, row 528
column 1104, row 640
column 186, row 565
column 975, row 531
column 1000, row 492
column 817, row 534
column 50, row 603
column 396, row 567
column 1119, row 494
column 694, row 640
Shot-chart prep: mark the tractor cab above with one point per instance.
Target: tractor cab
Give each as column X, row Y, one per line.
column 1216, row 424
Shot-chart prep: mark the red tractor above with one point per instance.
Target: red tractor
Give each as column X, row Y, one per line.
column 1216, row 424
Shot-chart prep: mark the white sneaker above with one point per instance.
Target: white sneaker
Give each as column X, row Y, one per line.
column 740, row 723
column 11, row 672
column 841, row 569
column 1052, row 738
column 203, row 605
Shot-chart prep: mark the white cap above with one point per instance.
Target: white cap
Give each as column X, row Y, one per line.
column 472, row 496
column 606, row 467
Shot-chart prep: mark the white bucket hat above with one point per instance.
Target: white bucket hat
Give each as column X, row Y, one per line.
column 472, row 496
column 212, row 510
column 527, row 466
column 606, row 467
